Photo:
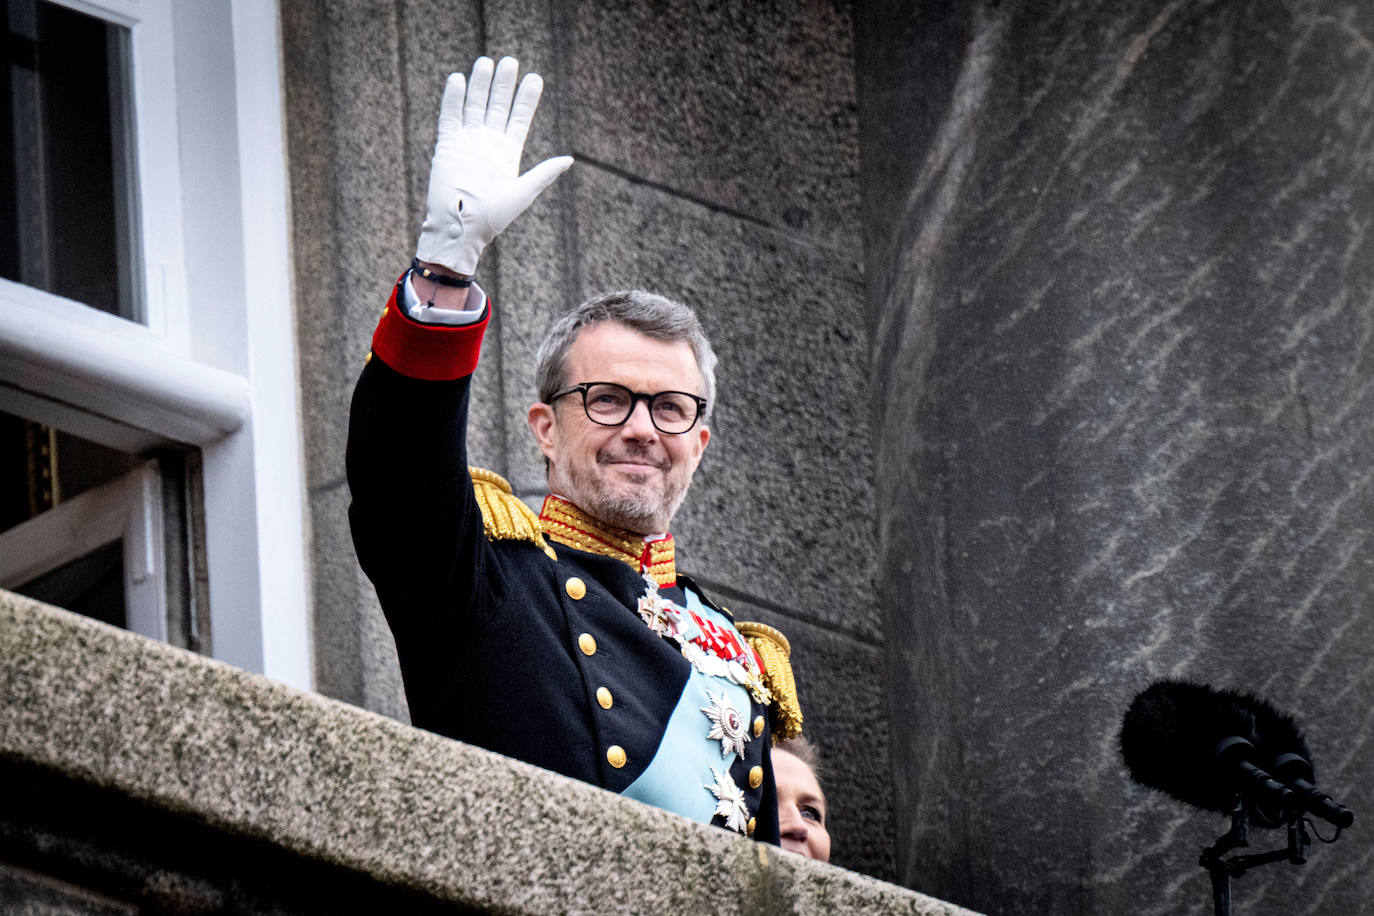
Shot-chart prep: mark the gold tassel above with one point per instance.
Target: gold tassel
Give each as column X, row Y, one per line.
column 505, row 517
column 776, row 653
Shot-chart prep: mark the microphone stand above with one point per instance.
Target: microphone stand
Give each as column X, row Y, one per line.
column 1223, row 870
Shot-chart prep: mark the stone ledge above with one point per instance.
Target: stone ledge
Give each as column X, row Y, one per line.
column 356, row 790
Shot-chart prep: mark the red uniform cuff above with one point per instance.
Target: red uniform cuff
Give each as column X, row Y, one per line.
column 433, row 352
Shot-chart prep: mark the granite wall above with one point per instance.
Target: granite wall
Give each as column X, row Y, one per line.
column 717, row 163
column 1121, row 280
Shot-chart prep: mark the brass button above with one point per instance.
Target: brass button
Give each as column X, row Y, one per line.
column 753, row 822
column 755, row 777
column 758, row 726
column 615, row 756
column 587, row 644
column 368, row 357
column 385, row 309
column 603, row 696
column 576, row 588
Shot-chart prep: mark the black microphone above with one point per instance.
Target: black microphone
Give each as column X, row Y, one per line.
column 1297, row 773
column 1208, row 747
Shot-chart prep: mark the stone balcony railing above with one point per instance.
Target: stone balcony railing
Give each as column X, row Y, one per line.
column 137, row 778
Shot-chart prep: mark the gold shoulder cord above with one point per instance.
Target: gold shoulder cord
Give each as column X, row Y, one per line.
column 776, row 653
column 505, row 517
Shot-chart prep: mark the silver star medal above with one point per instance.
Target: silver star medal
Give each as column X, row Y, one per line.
column 727, row 725
column 729, row 801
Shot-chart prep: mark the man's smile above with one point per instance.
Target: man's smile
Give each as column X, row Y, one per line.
column 633, row 464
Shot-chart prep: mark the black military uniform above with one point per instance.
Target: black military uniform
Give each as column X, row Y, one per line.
column 550, row 638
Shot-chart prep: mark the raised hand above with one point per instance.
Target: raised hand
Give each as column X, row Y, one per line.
column 475, row 185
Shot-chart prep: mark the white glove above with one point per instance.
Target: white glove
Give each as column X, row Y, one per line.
column 475, row 188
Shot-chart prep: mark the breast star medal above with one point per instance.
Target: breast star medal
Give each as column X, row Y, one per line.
column 729, row 801
column 727, row 725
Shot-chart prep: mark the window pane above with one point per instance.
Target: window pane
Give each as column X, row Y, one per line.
column 102, row 532
column 41, row 466
column 92, row 585
column 67, row 224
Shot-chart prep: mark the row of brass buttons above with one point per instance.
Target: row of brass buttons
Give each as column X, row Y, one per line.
column 577, row 590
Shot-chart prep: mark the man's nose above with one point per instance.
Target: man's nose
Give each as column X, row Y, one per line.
column 640, row 423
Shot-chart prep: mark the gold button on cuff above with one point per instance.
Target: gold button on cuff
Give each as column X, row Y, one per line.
column 615, row 756
column 603, row 696
column 587, row 644
column 385, row 309
column 758, row 726
column 576, row 588
column 753, row 822
column 755, row 777
column 368, row 357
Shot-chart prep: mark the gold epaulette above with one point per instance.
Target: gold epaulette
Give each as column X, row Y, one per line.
column 776, row 653
column 505, row 517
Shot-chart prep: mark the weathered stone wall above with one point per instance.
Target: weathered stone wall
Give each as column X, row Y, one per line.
column 1122, row 277
column 717, row 163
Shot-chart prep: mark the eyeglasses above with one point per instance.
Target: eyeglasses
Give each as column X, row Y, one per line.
column 609, row 404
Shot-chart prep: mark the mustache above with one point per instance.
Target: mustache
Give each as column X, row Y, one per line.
column 634, row 454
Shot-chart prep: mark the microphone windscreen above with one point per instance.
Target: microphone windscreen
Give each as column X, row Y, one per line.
column 1169, row 737
column 1276, row 734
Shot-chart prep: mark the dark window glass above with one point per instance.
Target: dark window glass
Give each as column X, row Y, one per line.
column 41, row 466
column 92, row 585
column 67, row 220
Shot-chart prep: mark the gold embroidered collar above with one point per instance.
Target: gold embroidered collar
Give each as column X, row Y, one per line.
column 568, row 525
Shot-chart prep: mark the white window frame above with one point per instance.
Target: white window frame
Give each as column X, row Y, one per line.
column 127, row 509
column 157, row 187
column 215, row 364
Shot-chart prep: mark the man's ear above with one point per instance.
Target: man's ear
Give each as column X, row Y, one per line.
column 703, row 436
column 542, row 420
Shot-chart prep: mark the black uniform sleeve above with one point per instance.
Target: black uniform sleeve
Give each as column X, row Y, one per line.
column 416, row 525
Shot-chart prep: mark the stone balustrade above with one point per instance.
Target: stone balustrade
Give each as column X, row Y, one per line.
column 142, row 777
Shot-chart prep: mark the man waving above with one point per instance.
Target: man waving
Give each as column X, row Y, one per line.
column 566, row 638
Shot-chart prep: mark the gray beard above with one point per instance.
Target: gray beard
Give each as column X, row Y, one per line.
column 633, row 514
column 641, row 515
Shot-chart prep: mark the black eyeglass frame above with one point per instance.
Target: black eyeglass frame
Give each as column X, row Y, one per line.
column 635, row 398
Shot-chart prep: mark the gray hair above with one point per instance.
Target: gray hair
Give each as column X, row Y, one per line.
column 648, row 313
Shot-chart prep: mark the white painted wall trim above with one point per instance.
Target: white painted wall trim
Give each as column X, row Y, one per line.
column 278, row 455
column 237, row 237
